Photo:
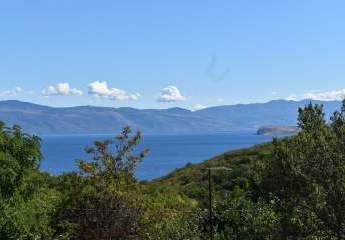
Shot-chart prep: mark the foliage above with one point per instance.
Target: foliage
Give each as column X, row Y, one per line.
column 306, row 177
column 114, row 168
column 19, row 154
column 192, row 180
column 104, row 205
column 26, row 203
column 108, row 215
column 29, row 218
column 167, row 215
column 238, row 217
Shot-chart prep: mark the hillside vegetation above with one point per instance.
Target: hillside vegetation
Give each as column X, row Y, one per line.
column 192, row 180
column 291, row 188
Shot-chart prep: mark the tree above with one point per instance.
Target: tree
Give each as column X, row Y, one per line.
column 114, row 168
column 19, row 154
column 238, row 217
column 103, row 215
column 27, row 204
column 108, row 207
column 306, row 178
column 169, row 215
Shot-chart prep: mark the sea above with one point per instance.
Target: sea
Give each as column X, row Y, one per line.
column 166, row 152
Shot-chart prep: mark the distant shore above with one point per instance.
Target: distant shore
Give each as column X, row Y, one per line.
column 277, row 130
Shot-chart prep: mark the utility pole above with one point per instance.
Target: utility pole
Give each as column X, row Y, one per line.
column 210, row 219
column 210, row 213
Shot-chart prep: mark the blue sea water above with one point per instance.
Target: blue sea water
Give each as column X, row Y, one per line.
column 167, row 152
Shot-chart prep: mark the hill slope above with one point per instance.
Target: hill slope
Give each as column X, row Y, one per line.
column 192, row 179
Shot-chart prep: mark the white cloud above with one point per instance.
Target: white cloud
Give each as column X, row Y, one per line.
column 198, row 107
column 75, row 92
column 335, row 95
column 12, row 93
column 101, row 89
column 170, row 94
column 292, row 97
column 326, row 96
column 220, row 100
column 61, row 89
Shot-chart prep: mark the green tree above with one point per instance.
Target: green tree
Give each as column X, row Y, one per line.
column 27, row 204
column 116, row 167
column 19, row 155
column 169, row 215
column 238, row 217
column 107, row 206
column 306, row 178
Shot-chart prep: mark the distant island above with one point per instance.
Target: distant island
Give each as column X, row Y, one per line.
column 277, row 130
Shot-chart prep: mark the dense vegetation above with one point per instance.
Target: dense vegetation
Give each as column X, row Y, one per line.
column 291, row 188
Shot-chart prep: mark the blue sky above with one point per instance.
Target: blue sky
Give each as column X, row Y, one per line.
column 159, row 54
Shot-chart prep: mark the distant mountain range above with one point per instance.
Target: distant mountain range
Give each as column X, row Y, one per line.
column 39, row 119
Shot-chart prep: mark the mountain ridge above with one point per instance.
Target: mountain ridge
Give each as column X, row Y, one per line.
column 40, row 119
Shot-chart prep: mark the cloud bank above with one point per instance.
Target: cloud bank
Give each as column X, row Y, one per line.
column 326, row 96
column 170, row 94
column 335, row 95
column 12, row 93
column 61, row 89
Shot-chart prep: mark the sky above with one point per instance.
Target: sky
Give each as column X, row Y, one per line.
column 161, row 54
